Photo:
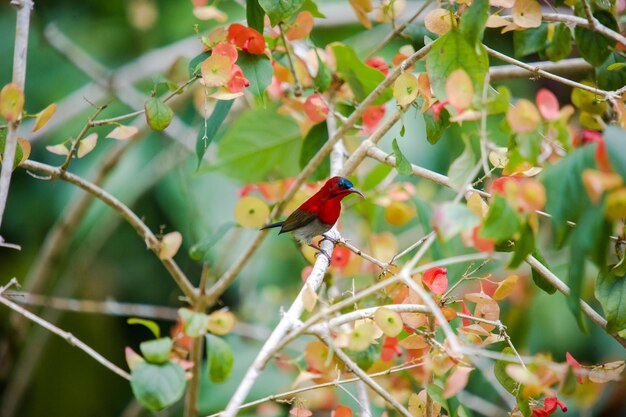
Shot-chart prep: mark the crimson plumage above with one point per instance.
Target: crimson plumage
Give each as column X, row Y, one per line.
column 319, row 213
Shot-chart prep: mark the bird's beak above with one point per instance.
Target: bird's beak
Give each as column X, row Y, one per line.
column 355, row 191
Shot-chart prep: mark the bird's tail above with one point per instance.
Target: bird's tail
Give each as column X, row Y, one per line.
column 270, row 226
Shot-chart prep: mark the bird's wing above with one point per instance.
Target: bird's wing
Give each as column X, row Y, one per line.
column 297, row 219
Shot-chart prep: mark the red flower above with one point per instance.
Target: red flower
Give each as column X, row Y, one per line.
column 246, row 38
column 237, row 80
column 390, row 348
column 379, row 64
column 438, row 107
column 436, row 279
column 575, row 365
column 315, row 108
column 549, row 407
column 372, row 116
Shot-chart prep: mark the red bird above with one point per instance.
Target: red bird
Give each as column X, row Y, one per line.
column 319, row 213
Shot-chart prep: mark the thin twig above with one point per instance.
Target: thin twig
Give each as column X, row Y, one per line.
column 579, row 21
column 297, row 91
column 536, row 71
column 69, row 338
column 130, row 115
column 572, row 66
column 81, row 135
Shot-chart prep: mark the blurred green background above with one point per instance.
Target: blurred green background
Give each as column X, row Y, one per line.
column 156, row 178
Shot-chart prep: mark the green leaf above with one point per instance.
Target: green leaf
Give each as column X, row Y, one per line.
column 436, row 128
column 402, row 164
column 323, row 78
column 500, row 101
column 258, row 70
column 569, row 385
column 616, row 66
column 592, row 46
column 566, row 198
column 194, row 64
column 156, row 350
column 436, row 393
column 311, row 6
column 194, row 323
column 152, row 326
column 361, row 78
column 314, row 140
column 461, row 412
column 539, row 279
column 213, row 124
column 157, row 386
column 473, row 21
column 530, row 41
column 502, row 221
column 19, row 153
column 524, row 246
column 259, row 142
column 561, row 44
column 219, row 358
column 255, row 15
column 620, row 268
column 450, row 52
column 461, row 168
column 615, row 141
column 499, row 370
column 612, row 74
column 158, row 114
column 280, row 10
column 522, row 404
column 611, row 292
column 589, row 239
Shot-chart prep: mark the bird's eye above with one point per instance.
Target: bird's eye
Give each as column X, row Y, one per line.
column 344, row 184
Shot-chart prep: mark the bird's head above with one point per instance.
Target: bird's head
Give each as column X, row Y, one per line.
column 340, row 187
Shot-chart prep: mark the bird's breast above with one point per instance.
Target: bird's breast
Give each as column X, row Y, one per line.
column 316, row 228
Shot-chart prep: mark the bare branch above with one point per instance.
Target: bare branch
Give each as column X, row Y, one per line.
column 150, row 239
column 22, row 27
column 536, row 71
column 69, row 338
column 572, row 66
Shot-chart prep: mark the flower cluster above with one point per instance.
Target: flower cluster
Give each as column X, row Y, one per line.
column 220, row 69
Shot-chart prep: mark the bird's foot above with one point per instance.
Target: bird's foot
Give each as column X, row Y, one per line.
column 320, row 251
column 330, row 239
